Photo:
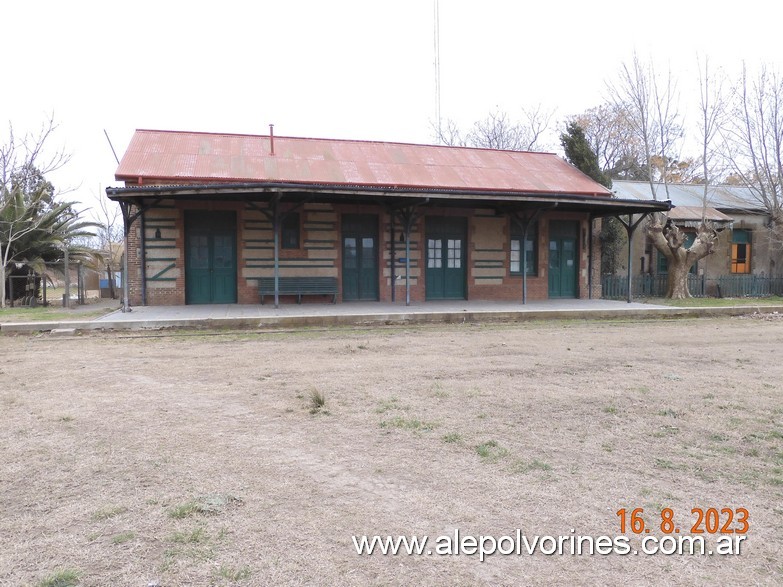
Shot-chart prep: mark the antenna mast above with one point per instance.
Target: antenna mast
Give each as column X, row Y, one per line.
column 111, row 146
column 437, row 69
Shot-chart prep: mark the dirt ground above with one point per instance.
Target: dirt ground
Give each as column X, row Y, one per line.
column 193, row 458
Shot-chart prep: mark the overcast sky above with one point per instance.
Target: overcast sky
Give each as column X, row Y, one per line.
column 351, row 69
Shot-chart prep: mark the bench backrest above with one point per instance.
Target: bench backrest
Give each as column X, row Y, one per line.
column 304, row 284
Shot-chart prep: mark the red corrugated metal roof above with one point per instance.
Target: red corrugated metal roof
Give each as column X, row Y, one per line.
column 182, row 157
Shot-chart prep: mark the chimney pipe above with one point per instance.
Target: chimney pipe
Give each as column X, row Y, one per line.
column 271, row 139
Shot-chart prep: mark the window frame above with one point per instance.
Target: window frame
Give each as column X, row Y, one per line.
column 736, row 243
column 434, row 253
column 291, row 225
column 532, row 237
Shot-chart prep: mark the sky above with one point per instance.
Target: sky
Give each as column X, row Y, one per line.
column 343, row 69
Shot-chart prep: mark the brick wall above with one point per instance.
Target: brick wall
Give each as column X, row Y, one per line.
column 320, row 252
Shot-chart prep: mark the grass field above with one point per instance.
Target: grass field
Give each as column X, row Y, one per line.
column 252, row 458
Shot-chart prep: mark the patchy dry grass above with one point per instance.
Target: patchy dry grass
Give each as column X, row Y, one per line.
column 123, row 537
column 109, row 512
column 55, row 311
column 195, row 460
column 63, row 578
column 490, row 451
column 718, row 302
column 204, row 505
column 409, row 424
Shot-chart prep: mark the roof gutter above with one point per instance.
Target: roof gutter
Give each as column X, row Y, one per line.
column 252, row 188
column 174, row 190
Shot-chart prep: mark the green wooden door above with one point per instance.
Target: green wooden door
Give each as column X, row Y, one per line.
column 197, row 283
column 360, row 257
column 446, row 239
column 210, row 257
column 563, row 259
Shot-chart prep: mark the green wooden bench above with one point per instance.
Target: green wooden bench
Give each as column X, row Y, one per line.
column 298, row 286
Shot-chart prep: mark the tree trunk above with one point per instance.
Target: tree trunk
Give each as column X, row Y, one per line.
column 677, row 285
column 669, row 240
column 110, row 275
column 2, row 285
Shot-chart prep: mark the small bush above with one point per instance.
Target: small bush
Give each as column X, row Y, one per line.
column 317, row 402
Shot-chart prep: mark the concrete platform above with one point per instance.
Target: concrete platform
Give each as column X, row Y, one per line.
column 372, row 313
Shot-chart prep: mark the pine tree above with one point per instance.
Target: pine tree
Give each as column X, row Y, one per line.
column 579, row 153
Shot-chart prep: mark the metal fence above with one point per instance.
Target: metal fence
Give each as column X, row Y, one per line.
column 26, row 288
column 748, row 286
column 33, row 289
column 615, row 287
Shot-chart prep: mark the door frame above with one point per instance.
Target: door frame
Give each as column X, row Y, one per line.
column 446, row 228
column 561, row 230
column 360, row 226
column 211, row 222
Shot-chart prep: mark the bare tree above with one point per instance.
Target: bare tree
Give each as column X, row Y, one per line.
column 499, row 131
column 450, row 134
column 27, row 153
column 33, row 225
column 668, row 238
column 632, row 92
column 666, row 118
column 754, row 141
column 537, row 121
column 496, row 131
column 620, row 152
column 713, row 109
column 608, row 130
column 673, row 170
column 651, row 101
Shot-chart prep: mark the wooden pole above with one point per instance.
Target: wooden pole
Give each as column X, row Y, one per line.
column 67, row 294
column 590, row 258
column 408, row 265
column 630, row 258
column 276, row 230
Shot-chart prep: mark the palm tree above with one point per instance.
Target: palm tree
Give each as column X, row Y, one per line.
column 35, row 229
